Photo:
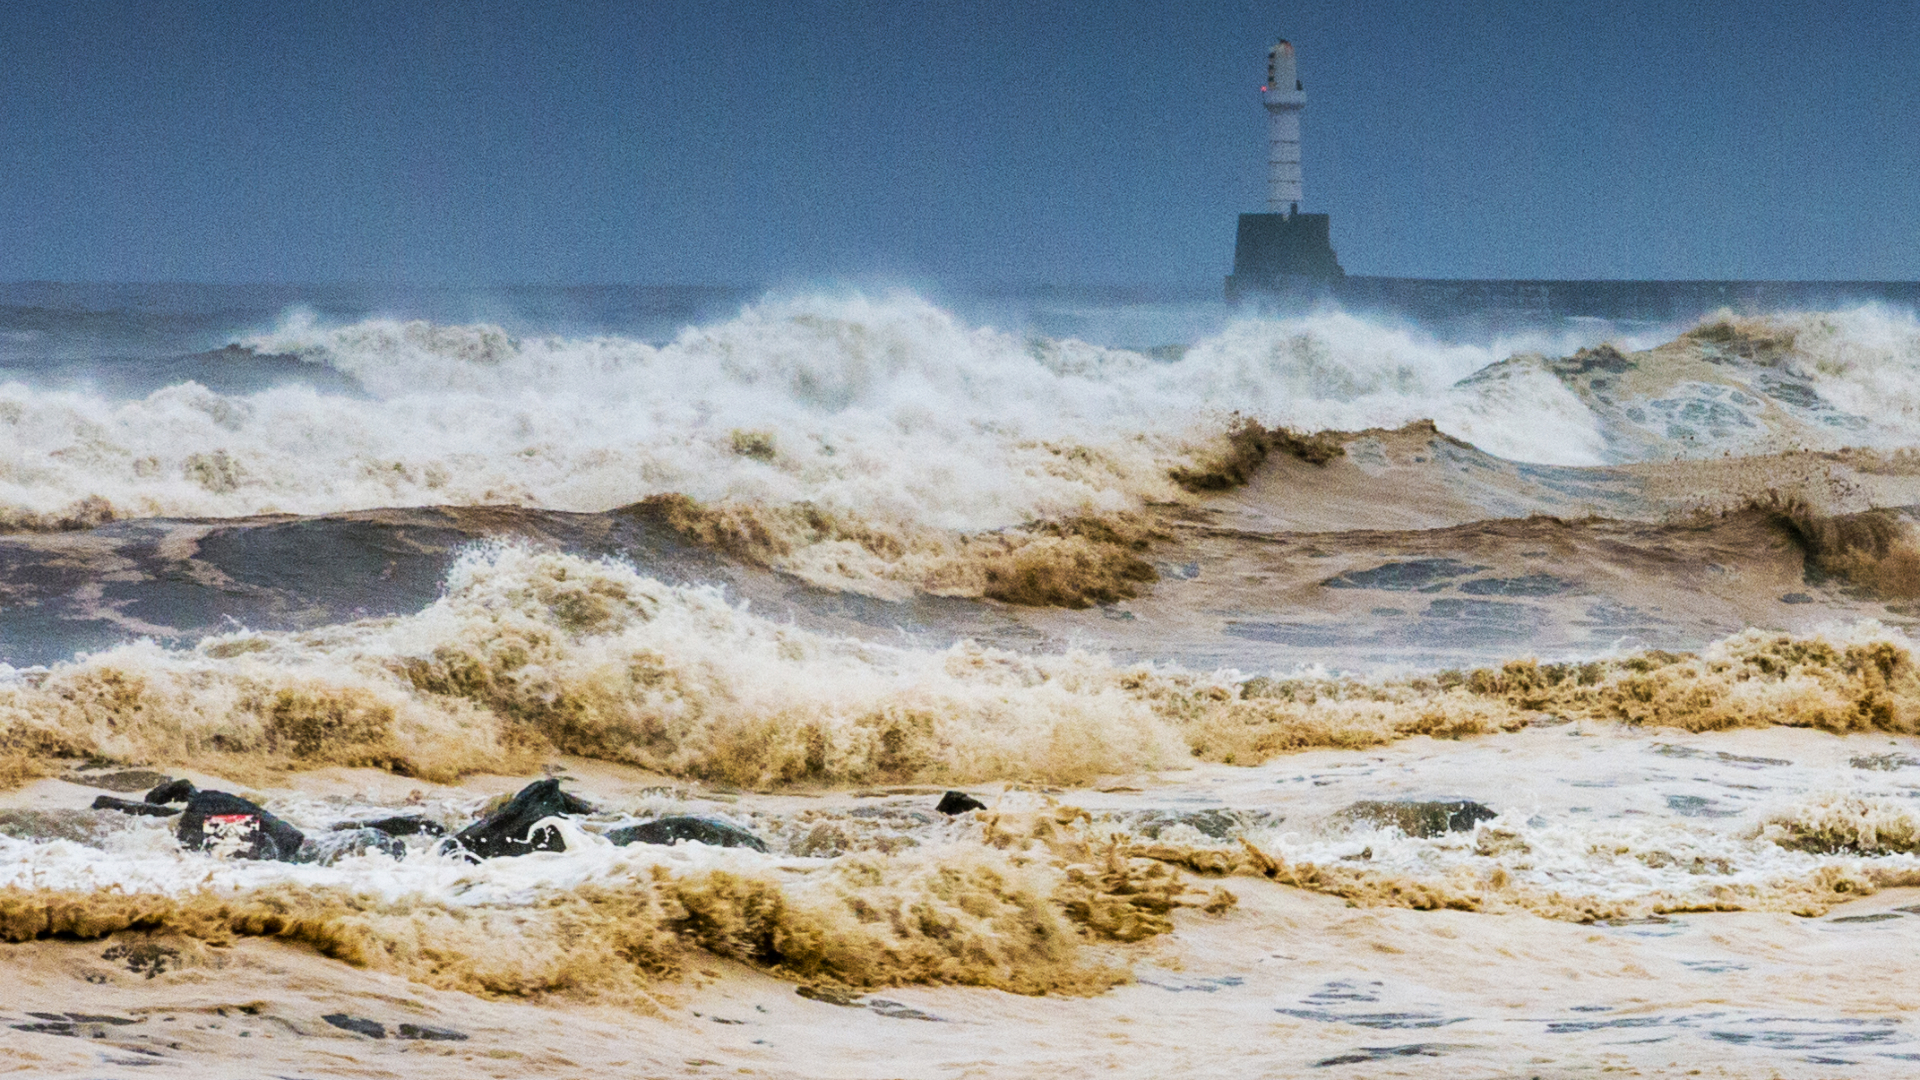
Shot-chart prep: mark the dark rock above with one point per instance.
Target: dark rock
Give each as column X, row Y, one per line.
column 172, row 791
column 330, row 848
column 372, row 1029
column 260, row 835
column 422, row 1031
column 671, row 830
column 406, row 825
column 1423, row 819
column 510, row 829
column 958, row 802
column 138, row 809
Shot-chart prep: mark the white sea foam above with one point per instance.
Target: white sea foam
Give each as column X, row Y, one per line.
column 146, row 858
column 890, row 408
column 1865, row 361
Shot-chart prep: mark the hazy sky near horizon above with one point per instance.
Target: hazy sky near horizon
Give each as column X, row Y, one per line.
column 476, row 142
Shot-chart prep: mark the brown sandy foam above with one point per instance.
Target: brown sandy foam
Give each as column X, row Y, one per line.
column 1246, row 447
column 88, row 513
column 1075, row 562
column 1285, row 983
column 535, row 653
column 1876, row 549
column 1493, row 891
column 1242, row 576
column 1014, row 907
column 1010, row 913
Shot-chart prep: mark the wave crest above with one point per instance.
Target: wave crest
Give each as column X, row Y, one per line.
column 887, row 408
column 529, row 653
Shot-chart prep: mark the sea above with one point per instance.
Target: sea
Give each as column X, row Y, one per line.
column 1334, row 693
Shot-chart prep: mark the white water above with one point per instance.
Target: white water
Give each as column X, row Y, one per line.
column 890, row 408
column 886, row 407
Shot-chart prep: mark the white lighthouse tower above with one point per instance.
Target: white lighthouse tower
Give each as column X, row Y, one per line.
column 1283, row 252
column 1284, row 97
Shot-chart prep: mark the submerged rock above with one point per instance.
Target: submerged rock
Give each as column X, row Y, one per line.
column 137, row 809
column 79, row 826
column 232, row 826
column 435, row 1034
column 172, row 791
column 1216, row 824
column 958, row 802
column 329, row 848
column 121, row 780
column 404, row 825
column 511, row 830
column 672, row 830
column 1426, row 819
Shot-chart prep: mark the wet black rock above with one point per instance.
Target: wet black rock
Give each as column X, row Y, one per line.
column 672, row 830
column 372, row 1029
column 959, row 802
column 1423, row 819
column 510, row 830
column 216, row 819
column 405, row 825
column 330, row 848
column 138, row 809
column 172, row 791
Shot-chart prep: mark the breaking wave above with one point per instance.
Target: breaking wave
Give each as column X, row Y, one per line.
column 532, row 653
column 887, row 408
column 1011, row 898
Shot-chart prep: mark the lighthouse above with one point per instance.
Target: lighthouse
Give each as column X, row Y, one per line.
column 1284, row 96
column 1283, row 252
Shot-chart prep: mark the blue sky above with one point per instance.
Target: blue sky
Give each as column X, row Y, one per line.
column 781, row 143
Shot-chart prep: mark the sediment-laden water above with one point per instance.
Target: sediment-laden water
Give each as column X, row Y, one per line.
column 1339, row 698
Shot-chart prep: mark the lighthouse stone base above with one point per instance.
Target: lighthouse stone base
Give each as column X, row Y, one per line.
column 1287, row 254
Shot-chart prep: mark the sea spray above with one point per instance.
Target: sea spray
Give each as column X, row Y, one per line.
column 886, row 408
